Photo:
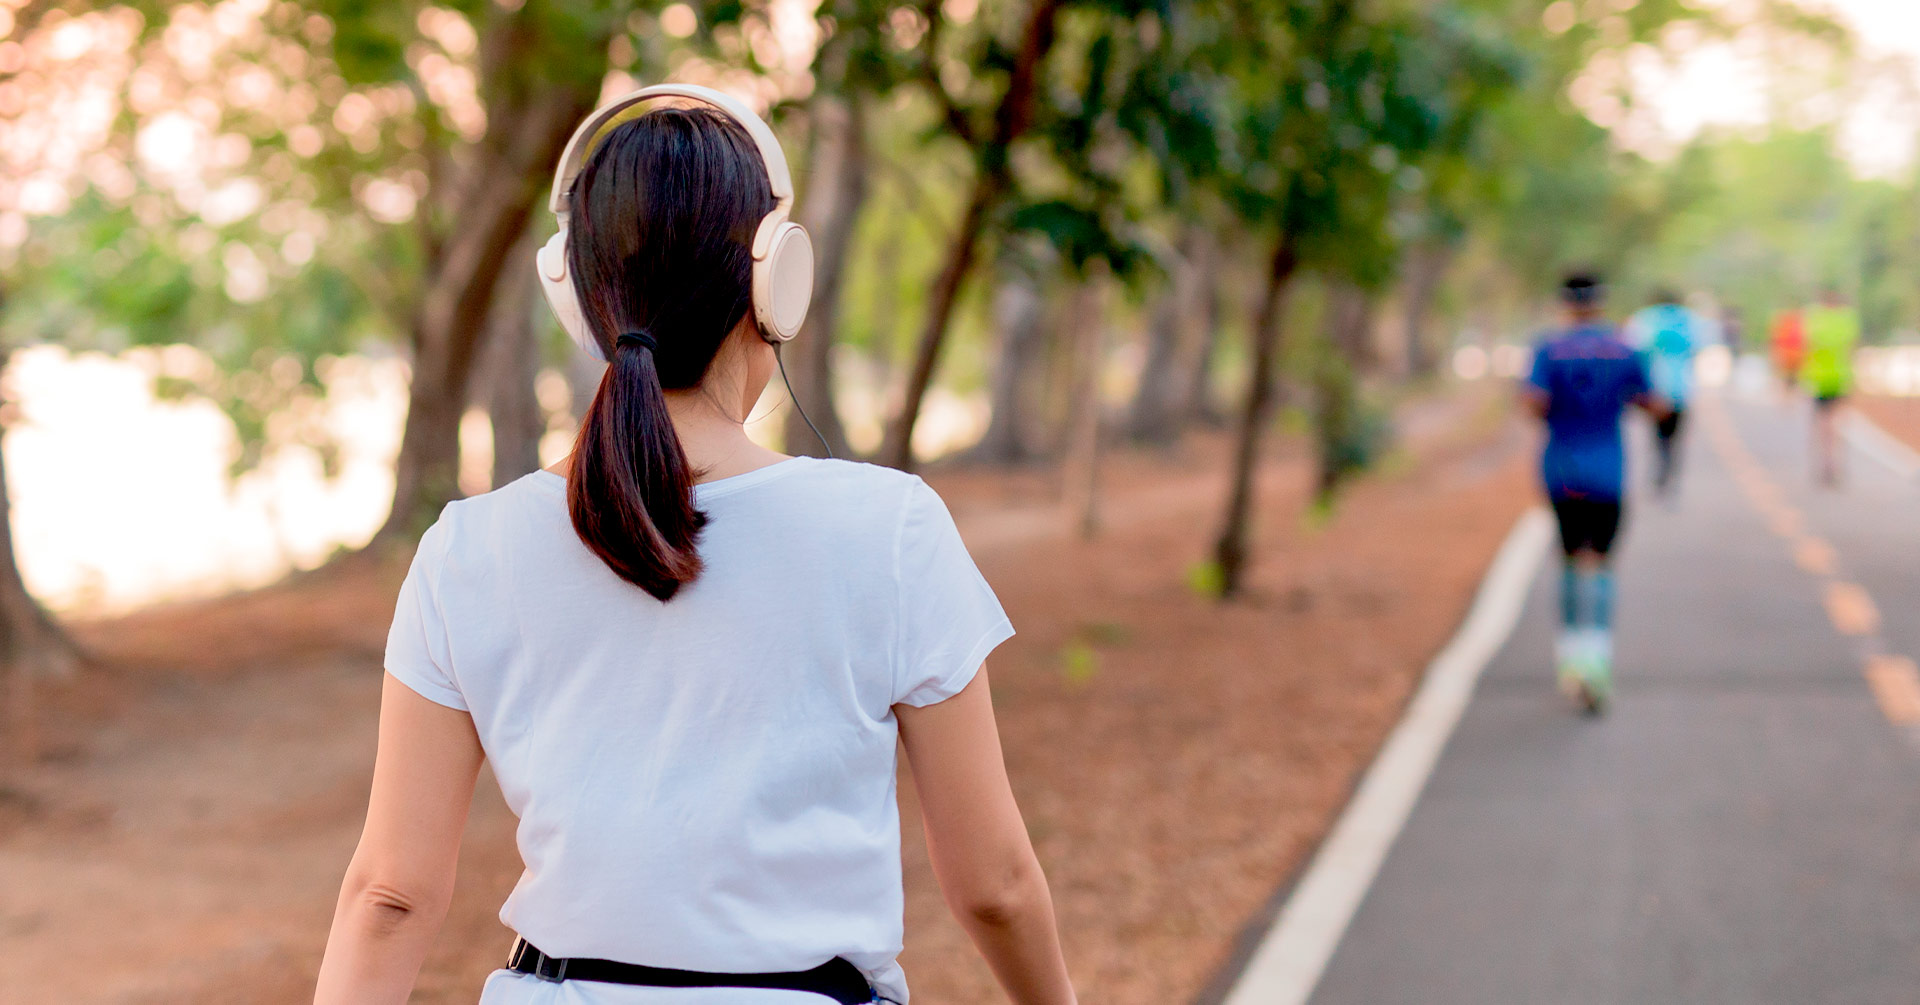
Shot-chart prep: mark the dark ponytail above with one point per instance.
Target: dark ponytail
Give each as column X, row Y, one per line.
column 662, row 216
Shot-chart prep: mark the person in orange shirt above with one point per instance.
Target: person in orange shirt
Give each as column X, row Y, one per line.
column 1789, row 347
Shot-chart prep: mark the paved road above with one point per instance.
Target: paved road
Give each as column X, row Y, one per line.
column 1744, row 826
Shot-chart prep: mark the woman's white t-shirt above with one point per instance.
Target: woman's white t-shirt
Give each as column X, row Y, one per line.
column 706, row 783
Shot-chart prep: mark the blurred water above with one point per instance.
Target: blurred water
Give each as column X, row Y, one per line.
column 121, row 498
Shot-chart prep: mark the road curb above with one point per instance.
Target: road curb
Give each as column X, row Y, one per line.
column 1869, row 438
column 1286, row 962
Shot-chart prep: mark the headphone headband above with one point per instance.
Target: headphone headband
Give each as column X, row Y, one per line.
column 579, row 145
column 782, row 252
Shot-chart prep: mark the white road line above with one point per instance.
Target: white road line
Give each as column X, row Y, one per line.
column 1868, row 438
column 1288, row 963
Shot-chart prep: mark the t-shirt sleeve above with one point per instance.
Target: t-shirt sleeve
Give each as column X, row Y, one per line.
column 949, row 619
column 417, row 651
column 1538, row 375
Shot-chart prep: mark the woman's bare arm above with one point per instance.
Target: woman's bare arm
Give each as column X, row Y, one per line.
column 979, row 845
column 401, row 879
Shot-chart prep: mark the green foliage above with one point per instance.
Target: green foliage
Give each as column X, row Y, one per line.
column 1351, row 127
column 1207, row 579
column 1769, row 220
column 92, row 279
column 1109, row 161
column 1351, row 433
column 1079, row 662
column 1079, row 233
column 1080, row 656
column 370, row 37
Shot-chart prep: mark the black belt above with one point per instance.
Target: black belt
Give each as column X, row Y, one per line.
column 837, row 979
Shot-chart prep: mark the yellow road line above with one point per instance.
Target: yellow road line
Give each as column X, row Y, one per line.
column 1893, row 679
column 1850, row 609
column 1896, row 686
column 1814, row 556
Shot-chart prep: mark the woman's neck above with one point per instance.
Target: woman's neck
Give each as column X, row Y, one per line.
column 717, row 444
column 711, row 418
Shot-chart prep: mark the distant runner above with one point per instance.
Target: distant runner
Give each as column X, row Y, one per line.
column 1789, row 346
column 1833, row 330
column 1583, row 377
column 1669, row 335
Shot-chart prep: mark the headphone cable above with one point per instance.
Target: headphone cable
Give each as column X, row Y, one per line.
column 781, row 361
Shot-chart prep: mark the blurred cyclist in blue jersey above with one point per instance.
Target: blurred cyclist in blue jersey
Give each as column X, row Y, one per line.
column 1668, row 335
column 1584, row 376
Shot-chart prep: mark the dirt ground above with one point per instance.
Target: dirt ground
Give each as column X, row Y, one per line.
column 183, row 837
column 1899, row 416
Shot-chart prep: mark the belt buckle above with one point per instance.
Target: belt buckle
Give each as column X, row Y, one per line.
column 537, row 965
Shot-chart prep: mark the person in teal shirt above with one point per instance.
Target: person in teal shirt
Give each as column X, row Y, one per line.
column 1668, row 335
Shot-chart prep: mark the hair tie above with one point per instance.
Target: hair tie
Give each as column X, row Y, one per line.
column 640, row 338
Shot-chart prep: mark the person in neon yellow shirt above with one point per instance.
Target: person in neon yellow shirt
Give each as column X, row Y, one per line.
column 1832, row 332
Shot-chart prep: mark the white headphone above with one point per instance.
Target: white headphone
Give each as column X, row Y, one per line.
column 782, row 252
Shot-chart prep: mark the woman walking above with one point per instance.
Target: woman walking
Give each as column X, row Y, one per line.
column 688, row 658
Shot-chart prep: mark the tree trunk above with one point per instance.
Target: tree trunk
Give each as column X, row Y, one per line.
column 885, row 310
column 1081, row 471
column 1157, row 411
column 510, row 364
column 1019, row 314
column 1230, row 550
column 1349, row 316
column 32, row 646
column 1198, row 405
column 896, row 447
column 992, row 177
column 1336, row 413
column 1426, row 267
column 528, row 122
column 836, row 191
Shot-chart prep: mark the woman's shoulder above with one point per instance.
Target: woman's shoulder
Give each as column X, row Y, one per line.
column 841, row 471
column 866, row 499
column 855, row 488
column 477, row 521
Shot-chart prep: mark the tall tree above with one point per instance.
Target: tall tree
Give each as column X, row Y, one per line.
column 1197, row 405
column 836, row 191
column 1019, row 316
column 1357, row 99
column 32, row 646
column 1347, row 433
column 541, row 65
column 1114, row 114
column 857, row 62
column 509, row 365
column 1174, row 336
column 991, row 147
column 1230, row 547
column 1086, row 339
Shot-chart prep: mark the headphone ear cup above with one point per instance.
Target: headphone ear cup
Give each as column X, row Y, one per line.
column 551, row 264
column 783, row 282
